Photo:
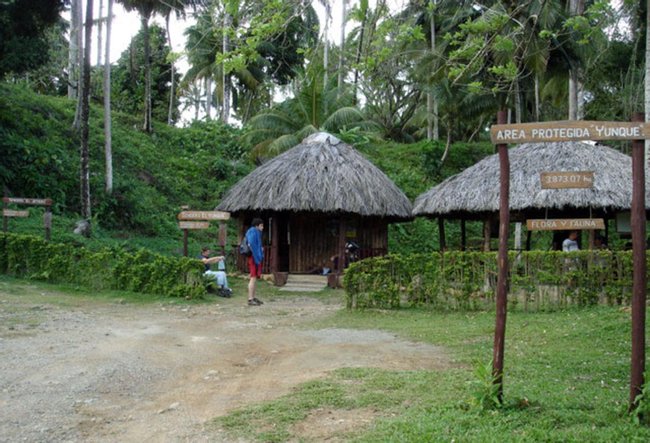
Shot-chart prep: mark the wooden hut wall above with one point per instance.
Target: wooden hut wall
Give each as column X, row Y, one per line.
column 314, row 239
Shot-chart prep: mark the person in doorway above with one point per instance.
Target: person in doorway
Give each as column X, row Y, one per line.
column 255, row 260
column 570, row 244
column 219, row 276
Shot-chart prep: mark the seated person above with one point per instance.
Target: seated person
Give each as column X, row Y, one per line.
column 351, row 255
column 219, row 276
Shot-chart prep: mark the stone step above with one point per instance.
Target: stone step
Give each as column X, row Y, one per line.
column 305, row 283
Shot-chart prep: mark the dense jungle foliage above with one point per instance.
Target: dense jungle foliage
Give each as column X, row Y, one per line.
column 156, row 174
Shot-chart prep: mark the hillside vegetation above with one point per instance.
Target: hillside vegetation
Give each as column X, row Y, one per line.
column 154, row 175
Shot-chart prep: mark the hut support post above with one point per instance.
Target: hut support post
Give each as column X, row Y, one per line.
column 486, row 235
column 274, row 244
column 502, row 279
column 463, row 236
column 441, row 234
column 341, row 261
column 639, row 267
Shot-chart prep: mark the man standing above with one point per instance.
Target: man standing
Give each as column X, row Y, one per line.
column 255, row 260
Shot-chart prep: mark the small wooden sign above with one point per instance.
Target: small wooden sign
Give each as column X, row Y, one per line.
column 565, row 224
column 574, row 130
column 567, row 180
column 28, row 201
column 193, row 225
column 12, row 213
column 204, row 215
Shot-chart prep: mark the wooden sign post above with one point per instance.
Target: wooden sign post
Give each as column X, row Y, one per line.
column 7, row 213
column 198, row 220
column 557, row 131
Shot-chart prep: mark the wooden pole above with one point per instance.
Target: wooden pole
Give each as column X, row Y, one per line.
column 47, row 219
column 275, row 246
column 502, row 279
column 486, row 234
column 441, row 234
column 639, row 267
column 185, row 242
column 5, row 224
column 341, row 253
column 223, row 237
column 463, row 236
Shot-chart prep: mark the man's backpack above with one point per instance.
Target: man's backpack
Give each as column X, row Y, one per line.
column 245, row 248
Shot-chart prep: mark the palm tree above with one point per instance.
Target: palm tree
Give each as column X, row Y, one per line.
column 315, row 107
column 146, row 9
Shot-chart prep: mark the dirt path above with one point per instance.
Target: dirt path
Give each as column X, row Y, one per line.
column 106, row 372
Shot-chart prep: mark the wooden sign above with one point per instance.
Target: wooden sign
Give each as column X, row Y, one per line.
column 28, row 201
column 204, row 215
column 193, row 225
column 12, row 213
column 564, row 224
column 567, row 180
column 577, row 130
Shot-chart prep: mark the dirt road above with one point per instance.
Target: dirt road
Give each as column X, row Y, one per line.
column 75, row 369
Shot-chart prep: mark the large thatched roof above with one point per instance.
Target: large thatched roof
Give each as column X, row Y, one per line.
column 321, row 174
column 476, row 189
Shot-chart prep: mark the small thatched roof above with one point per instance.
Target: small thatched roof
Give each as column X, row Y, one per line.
column 321, row 174
column 476, row 189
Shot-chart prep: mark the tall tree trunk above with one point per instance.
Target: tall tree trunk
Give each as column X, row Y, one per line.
column 108, row 131
column 326, row 43
column 172, row 88
column 208, row 98
column 344, row 14
column 225, row 105
column 576, row 7
column 147, row 74
column 76, row 15
column 79, row 64
column 432, row 101
column 85, row 114
column 100, row 23
column 359, row 50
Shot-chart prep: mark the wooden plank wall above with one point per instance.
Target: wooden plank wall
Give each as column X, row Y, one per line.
column 314, row 239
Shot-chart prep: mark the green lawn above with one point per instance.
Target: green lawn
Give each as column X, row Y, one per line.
column 566, row 379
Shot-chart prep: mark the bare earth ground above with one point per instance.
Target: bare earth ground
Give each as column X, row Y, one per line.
column 85, row 370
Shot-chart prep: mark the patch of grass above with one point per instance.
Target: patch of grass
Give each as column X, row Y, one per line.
column 566, row 379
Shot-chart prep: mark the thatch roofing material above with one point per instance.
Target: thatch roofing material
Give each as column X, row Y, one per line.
column 322, row 174
column 476, row 189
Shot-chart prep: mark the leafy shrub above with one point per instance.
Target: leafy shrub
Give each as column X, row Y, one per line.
column 467, row 280
column 141, row 271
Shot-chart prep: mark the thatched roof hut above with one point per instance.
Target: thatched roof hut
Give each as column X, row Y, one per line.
column 317, row 194
column 474, row 192
column 321, row 174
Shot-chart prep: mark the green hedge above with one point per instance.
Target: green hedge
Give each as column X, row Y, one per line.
column 467, row 280
column 143, row 271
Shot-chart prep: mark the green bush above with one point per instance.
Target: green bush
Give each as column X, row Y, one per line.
column 467, row 280
column 141, row 271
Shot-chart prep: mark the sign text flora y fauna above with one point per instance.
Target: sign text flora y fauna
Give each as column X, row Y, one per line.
column 568, row 131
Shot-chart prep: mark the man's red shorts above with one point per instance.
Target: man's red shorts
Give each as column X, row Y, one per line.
column 253, row 269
